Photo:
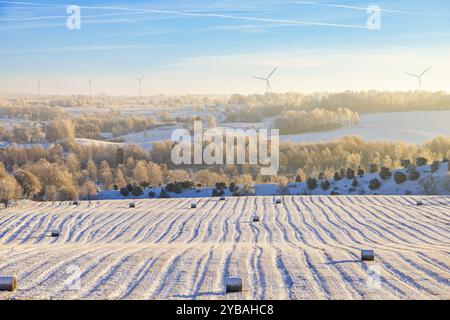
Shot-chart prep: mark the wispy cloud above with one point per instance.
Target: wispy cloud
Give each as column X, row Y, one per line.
column 90, row 48
column 63, row 17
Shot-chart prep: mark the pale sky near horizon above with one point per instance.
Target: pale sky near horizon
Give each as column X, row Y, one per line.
column 215, row 47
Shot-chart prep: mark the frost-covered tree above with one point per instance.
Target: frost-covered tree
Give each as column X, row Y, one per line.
column 29, row 183
column 154, row 174
column 140, row 172
column 89, row 190
column 429, row 185
column 9, row 188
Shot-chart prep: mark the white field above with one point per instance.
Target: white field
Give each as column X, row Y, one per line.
column 304, row 248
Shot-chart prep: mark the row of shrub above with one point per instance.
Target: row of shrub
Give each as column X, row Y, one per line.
column 384, row 173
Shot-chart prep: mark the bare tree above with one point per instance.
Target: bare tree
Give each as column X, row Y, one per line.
column 429, row 185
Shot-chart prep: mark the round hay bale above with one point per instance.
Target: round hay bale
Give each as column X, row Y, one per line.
column 222, row 198
column 278, row 201
column 419, row 203
column 255, row 218
column 76, row 202
column 233, row 284
column 367, row 255
column 55, row 233
column 193, row 205
column 132, row 205
column 8, row 284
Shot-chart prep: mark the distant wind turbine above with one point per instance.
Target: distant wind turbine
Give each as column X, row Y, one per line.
column 266, row 79
column 38, row 82
column 90, row 86
column 139, row 79
column 419, row 76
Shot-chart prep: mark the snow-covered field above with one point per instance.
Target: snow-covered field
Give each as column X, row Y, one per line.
column 411, row 127
column 304, row 248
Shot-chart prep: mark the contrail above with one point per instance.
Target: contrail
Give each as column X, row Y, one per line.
column 63, row 17
column 210, row 15
column 343, row 6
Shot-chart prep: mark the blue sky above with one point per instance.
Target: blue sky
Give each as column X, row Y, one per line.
column 205, row 47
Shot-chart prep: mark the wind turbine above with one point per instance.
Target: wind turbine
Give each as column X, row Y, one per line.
column 419, row 76
column 266, row 79
column 90, row 86
column 38, row 81
column 139, row 79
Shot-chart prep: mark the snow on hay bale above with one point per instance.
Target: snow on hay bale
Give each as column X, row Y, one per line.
column 76, row 202
column 55, row 233
column 367, row 255
column 193, row 205
column 419, row 203
column 8, row 283
column 222, row 198
column 255, row 218
column 233, row 284
column 132, row 205
column 277, row 201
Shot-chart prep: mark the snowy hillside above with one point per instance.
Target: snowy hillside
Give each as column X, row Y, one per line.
column 340, row 187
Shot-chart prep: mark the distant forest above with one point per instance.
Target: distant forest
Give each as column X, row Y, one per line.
column 253, row 108
column 292, row 122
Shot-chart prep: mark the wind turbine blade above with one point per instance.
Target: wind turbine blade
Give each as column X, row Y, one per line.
column 412, row 75
column 425, row 71
column 259, row 78
column 268, row 85
column 272, row 73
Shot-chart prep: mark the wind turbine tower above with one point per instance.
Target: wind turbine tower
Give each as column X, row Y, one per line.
column 419, row 76
column 139, row 79
column 38, row 82
column 266, row 79
column 90, row 87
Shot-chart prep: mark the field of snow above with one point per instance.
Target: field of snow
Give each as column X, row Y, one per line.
column 304, row 248
column 395, row 126
column 411, row 127
column 87, row 142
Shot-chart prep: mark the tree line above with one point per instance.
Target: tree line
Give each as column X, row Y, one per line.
column 255, row 107
column 293, row 122
column 66, row 171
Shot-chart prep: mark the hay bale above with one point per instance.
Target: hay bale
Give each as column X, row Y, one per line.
column 278, row 201
column 367, row 255
column 76, row 202
column 132, row 205
column 8, row 284
column 222, row 198
column 193, row 205
column 55, row 233
column 233, row 284
column 255, row 218
column 419, row 203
